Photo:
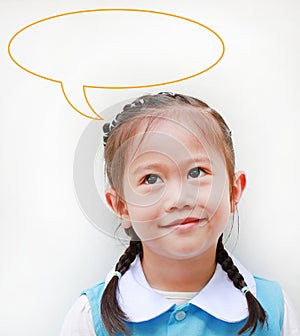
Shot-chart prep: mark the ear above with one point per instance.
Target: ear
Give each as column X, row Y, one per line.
column 239, row 185
column 118, row 206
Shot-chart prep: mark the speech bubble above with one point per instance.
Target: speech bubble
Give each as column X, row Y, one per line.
column 114, row 49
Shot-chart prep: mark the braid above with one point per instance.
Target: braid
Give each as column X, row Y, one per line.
column 256, row 311
column 112, row 314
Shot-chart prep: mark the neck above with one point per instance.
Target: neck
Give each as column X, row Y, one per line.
column 187, row 275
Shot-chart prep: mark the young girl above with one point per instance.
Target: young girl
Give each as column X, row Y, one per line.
column 171, row 169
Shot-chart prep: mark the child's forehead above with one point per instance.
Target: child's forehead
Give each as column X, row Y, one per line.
column 166, row 136
column 184, row 123
column 165, row 129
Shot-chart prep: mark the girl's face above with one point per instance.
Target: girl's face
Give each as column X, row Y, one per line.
column 176, row 191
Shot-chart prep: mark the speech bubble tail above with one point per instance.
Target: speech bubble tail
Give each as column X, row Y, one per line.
column 79, row 101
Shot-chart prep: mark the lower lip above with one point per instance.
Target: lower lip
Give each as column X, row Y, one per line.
column 190, row 225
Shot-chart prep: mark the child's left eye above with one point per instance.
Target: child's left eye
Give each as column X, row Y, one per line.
column 196, row 172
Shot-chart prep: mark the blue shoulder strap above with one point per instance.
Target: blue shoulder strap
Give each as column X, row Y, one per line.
column 94, row 295
column 269, row 294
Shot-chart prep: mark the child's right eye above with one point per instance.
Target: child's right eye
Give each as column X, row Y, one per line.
column 152, row 179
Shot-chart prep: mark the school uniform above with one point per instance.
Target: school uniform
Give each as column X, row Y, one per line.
column 218, row 309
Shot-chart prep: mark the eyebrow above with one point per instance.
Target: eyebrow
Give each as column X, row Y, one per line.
column 155, row 165
column 148, row 165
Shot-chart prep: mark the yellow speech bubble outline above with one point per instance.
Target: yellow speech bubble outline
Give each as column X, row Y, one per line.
column 114, row 87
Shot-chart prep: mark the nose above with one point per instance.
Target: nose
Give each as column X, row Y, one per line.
column 180, row 196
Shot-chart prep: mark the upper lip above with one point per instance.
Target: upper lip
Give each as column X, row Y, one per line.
column 183, row 221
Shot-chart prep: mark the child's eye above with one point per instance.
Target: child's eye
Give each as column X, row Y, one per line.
column 196, row 172
column 152, row 179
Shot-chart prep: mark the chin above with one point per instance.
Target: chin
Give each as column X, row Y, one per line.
column 187, row 252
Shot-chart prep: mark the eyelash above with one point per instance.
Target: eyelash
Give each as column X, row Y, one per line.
column 144, row 180
column 147, row 176
column 199, row 170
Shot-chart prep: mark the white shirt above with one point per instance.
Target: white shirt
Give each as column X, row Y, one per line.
column 78, row 321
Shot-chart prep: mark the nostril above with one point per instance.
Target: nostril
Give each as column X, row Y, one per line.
column 180, row 203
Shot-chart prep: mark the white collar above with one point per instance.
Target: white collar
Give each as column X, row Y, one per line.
column 218, row 298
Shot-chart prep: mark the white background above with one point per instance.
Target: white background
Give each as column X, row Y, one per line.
column 49, row 249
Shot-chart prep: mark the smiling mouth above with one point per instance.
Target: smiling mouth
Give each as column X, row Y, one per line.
column 187, row 223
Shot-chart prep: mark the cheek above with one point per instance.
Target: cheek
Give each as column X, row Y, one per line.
column 143, row 196
column 145, row 229
column 218, row 200
column 140, row 216
column 145, row 221
column 220, row 215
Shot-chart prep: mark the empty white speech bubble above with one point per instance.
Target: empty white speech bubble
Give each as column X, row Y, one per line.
column 114, row 48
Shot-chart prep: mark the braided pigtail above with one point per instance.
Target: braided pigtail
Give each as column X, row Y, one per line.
column 112, row 314
column 256, row 311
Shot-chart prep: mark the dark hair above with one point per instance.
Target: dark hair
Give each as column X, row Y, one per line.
column 149, row 108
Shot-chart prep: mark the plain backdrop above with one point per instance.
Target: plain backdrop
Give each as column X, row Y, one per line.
column 52, row 245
